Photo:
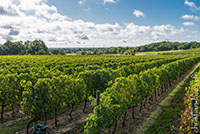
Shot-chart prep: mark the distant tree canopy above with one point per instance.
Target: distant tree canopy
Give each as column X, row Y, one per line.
column 111, row 50
column 58, row 52
column 36, row 47
column 165, row 46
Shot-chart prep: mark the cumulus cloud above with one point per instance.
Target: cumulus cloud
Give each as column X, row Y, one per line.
column 81, row 2
column 124, row 41
column 110, row 1
column 165, row 30
column 138, row 13
column 132, row 29
column 190, row 17
column 188, row 23
column 7, row 27
column 84, row 37
column 37, row 20
column 8, row 11
column 192, row 5
column 13, row 32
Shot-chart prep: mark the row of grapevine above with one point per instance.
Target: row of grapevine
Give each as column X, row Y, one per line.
column 91, row 80
column 99, row 79
column 128, row 92
column 41, row 91
column 70, row 65
column 191, row 115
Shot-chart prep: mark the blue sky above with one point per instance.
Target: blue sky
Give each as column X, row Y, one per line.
column 99, row 23
column 156, row 11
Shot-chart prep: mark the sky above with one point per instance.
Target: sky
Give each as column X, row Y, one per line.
column 99, row 23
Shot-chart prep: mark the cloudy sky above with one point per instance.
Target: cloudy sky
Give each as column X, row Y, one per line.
column 99, row 23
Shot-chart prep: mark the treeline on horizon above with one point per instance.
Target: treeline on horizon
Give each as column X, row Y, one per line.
column 166, row 46
column 158, row 46
column 100, row 51
column 38, row 47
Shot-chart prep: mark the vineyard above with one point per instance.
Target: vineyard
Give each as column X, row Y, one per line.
column 190, row 117
column 40, row 88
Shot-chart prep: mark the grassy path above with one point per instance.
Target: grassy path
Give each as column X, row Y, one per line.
column 164, row 118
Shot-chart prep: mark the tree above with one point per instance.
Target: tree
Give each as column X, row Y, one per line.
column 165, row 45
column 83, row 52
column 129, row 52
column 20, row 48
column 58, row 52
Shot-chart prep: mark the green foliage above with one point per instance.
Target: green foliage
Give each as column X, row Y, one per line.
column 36, row 47
column 165, row 46
column 130, row 91
column 41, row 85
column 129, row 52
column 58, row 52
column 188, row 120
column 99, row 51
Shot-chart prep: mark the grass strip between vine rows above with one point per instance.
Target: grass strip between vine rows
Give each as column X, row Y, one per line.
column 165, row 103
column 12, row 129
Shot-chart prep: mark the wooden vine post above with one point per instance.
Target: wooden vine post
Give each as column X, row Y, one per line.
column 97, row 104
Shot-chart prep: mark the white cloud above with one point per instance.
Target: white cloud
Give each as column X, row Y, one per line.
column 8, row 11
column 190, row 17
column 132, row 29
column 34, row 5
column 138, row 13
column 188, row 36
column 109, row 1
column 165, row 30
column 81, row 2
column 192, row 5
column 188, row 23
column 124, row 41
column 35, row 19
